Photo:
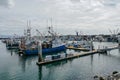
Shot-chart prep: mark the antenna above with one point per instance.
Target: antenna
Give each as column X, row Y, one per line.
column 117, row 31
column 28, row 31
column 51, row 22
column 29, row 24
column 47, row 23
column 110, row 31
column 114, row 31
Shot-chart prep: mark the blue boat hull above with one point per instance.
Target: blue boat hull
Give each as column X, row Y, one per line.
column 45, row 51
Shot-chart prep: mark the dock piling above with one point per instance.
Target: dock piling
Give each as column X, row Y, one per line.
column 40, row 52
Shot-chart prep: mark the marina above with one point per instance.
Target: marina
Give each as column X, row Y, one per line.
column 59, row 40
column 52, row 49
column 26, row 65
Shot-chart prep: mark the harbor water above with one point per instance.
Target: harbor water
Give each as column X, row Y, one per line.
column 15, row 67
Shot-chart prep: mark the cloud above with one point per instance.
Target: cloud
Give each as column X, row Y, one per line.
column 7, row 3
column 86, row 15
column 109, row 3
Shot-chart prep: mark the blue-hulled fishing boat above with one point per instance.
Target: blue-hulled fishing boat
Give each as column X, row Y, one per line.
column 48, row 47
column 45, row 50
column 52, row 45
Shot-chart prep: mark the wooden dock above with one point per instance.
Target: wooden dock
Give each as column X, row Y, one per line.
column 78, row 55
column 68, row 57
column 74, row 48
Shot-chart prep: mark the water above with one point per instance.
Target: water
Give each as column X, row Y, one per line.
column 15, row 67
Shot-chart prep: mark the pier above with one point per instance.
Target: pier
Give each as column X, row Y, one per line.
column 104, row 50
column 68, row 57
column 74, row 48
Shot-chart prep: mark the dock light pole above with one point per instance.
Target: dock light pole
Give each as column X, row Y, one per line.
column 40, row 51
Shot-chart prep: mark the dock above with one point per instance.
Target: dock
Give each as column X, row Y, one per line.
column 107, row 49
column 75, row 48
column 78, row 55
column 68, row 57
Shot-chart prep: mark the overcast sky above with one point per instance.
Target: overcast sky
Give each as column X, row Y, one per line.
column 68, row 16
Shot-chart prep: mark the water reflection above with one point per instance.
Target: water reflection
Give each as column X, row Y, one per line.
column 40, row 72
column 113, row 56
column 12, row 51
column 91, row 59
column 55, row 64
column 22, row 62
column 50, row 69
column 119, row 50
column 25, row 61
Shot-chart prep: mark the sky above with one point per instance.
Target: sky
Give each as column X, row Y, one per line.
column 68, row 16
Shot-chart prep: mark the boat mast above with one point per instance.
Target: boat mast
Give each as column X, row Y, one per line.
column 28, row 33
column 51, row 31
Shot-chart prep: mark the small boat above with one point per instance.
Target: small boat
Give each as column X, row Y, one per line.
column 84, row 45
column 12, row 44
column 4, row 40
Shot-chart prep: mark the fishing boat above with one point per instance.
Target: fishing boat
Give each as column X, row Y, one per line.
column 46, row 49
column 12, row 44
column 54, row 44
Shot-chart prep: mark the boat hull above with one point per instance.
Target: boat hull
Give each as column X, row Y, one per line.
column 45, row 51
column 12, row 46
